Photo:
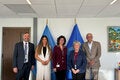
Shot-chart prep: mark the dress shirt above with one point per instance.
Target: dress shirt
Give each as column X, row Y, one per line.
column 75, row 58
column 90, row 46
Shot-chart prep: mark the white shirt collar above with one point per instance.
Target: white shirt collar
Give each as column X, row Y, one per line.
column 25, row 42
column 90, row 43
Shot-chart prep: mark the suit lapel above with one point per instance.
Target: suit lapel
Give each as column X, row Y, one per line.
column 87, row 47
column 72, row 56
column 29, row 47
column 22, row 46
column 93, row 46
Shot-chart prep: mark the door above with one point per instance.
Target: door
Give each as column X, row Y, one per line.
column 10, row 37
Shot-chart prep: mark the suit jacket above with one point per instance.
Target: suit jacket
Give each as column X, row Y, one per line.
column 18, row 56
column 80, row 63
column 94, row 54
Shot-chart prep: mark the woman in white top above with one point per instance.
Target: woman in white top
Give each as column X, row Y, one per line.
column 43, row 57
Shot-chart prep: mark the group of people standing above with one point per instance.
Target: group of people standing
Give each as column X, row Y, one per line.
column 83, row 62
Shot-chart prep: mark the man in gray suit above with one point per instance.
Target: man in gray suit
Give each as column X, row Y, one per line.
column 23, row 58
column 93, row 53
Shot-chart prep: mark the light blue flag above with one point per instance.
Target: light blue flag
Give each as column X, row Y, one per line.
column 52, row 44
column 75, row 36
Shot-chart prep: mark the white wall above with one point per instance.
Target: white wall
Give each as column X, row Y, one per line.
column 14, row 22
column 97, row 26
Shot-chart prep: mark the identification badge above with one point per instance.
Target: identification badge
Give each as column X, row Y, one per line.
column 57, row 65
column 75, row 66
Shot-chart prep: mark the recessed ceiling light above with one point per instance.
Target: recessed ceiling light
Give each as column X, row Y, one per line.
column 28, row 1
column 113, row 2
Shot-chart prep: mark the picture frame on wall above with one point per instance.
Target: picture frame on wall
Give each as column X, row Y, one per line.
column 113, row 38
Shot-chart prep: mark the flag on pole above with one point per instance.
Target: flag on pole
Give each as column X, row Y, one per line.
column 52, row 44
column 75, row 36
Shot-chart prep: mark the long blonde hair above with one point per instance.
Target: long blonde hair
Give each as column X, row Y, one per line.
column 40, row 45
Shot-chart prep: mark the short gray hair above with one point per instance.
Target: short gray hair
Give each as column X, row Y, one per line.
column 76, row 42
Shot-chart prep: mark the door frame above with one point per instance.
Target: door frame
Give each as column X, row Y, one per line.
column 1, row 68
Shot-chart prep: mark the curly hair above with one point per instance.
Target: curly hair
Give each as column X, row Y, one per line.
column 58, row 39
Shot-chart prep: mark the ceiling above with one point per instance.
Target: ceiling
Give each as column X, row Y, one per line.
column 59, row 8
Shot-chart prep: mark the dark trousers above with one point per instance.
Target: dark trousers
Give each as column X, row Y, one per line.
column 23, row 74
column 60, row 75
column 79, row 76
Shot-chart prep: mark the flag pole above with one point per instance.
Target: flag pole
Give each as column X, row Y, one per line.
column 46, row 21
column 75, row 21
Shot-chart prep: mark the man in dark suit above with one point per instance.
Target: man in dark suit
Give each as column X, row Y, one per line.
column 23, row 58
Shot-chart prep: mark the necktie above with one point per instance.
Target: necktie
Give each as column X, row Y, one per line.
column 25, row 51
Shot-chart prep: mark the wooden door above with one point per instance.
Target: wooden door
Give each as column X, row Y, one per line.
column 10, row 37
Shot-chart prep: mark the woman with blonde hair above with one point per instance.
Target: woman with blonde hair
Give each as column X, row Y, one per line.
column 43, row 57
column 77, row 62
